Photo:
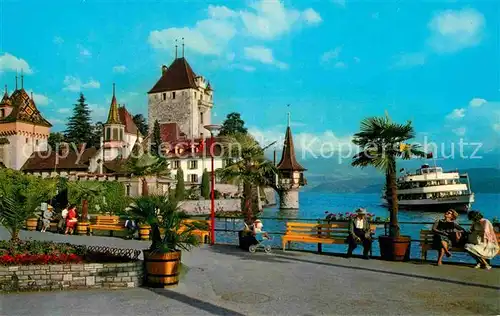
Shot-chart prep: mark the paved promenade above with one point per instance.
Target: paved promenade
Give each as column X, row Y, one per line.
column 223, row 280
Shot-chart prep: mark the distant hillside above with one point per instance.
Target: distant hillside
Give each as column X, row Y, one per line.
column 483, row 180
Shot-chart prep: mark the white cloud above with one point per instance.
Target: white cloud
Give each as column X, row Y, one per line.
column 263, row 55
column 454, row 30
column 243, row 67
column 496, row 127
column 408, row 60
column 41, row 99
column 340, row 3
column 357, row 60
column 376, row 15
column 84, row 52
column 306, row 143
column 99, row 113
column 221, row 12
column 331, row 54
column 119, row 69
column 476, row 102
column 64, row 110
column 74, row 84
column 58, row 40
column 459, row 131
column 10, row 62
column 456, row 114
column 340, row 64
column 311, row 16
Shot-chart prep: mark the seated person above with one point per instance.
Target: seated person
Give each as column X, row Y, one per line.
column 359, row 231
column 447, row 234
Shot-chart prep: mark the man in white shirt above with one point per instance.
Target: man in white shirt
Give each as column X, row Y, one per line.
column 359, row 232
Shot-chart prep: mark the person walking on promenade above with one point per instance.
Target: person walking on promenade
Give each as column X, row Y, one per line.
column 62, row 221
column 447, row 233
column 359, row 232
column 482, row 242
column 71, row 220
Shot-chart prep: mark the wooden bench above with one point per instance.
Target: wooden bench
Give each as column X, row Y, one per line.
column 426, row 237
column 333, row 233
column 109, row 223
column 202, row 234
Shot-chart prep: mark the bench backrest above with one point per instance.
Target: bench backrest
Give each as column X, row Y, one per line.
column 191, row 221
column 331, row 230
column 427, row 235
column 107, row 220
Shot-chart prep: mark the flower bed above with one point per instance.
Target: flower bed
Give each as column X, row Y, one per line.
column 37, row 265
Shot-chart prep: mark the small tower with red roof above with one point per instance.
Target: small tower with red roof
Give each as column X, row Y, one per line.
column 291, row 173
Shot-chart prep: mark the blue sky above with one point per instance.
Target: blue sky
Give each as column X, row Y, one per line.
column 336, row 62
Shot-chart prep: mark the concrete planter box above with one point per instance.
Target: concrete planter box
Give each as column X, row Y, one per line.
column 71, row 276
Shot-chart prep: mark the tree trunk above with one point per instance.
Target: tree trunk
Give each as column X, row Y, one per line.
column 247, row 207
column 145, row 189
column 85, row 210
column 14, row 236
column 394, row 229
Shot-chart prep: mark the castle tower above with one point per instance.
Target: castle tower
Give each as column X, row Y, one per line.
column 114, row 130
column 182, row 97
column 291, row 176
column 23, row 130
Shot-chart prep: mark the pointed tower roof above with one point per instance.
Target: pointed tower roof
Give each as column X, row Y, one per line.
column 288, row 161
column 113, row 117
column 24, row 109
column 179, row 75
column 6, row 99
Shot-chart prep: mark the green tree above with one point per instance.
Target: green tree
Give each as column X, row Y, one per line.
column 55, row 139
column 79, row 127
column 115, row 199
column 205, row 185
column 20, row 195
column 147, row 165
column 252, row 170
column 233, row 125
column 180, row 189
column 382, row 142
column 156, row 141
column 140, row 122
column 97, row 133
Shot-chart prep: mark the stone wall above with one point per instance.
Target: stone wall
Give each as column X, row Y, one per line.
column 71, row 276
column 202, row 207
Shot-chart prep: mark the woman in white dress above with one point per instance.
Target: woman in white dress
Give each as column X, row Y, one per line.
column 482, row 243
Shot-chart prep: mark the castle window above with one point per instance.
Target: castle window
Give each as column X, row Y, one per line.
column 108, row 133
column 2, row 112
column 173, row 95
column 176, row 164
column 128, row 189
column 121, row 134
column 193, row 164
column 36, row 142
column 115, row 134
column 27, row 140
column 164, row 96
column 195, row 95
column 201, row 117
column 193, row 178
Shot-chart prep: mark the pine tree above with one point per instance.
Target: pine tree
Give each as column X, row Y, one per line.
column 156, row 141
column 79, row 127
column 179, row 187
column 205, row 185
column 141, row 124
column 54, row 140
column 233, row 125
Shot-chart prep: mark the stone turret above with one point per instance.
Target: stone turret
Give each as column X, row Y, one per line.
column 291, row 173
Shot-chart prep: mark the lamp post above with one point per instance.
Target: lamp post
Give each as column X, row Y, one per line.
column 212, row 128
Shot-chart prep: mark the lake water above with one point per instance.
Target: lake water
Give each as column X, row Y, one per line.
column 313, row 206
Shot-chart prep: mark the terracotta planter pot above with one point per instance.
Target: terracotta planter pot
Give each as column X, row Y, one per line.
column 31, row 223
column 82, row 228
column 144, row 231
column 162, row 269
column 395, row 248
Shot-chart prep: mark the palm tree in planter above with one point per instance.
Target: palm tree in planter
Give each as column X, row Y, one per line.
column 20, row 195
column 85, row 192
column 382, row 142
column 163, row 258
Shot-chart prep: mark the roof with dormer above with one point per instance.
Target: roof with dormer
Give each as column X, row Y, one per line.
column 288, row 160
column 24, row 109
column 178, row 76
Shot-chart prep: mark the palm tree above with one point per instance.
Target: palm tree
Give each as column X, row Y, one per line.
column 148, row 165
column 20, row 195
column 250, row 168
column 382, row 142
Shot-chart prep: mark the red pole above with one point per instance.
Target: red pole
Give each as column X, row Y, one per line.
column 212, row 209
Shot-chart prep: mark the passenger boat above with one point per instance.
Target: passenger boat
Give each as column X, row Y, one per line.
column 432, row 189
